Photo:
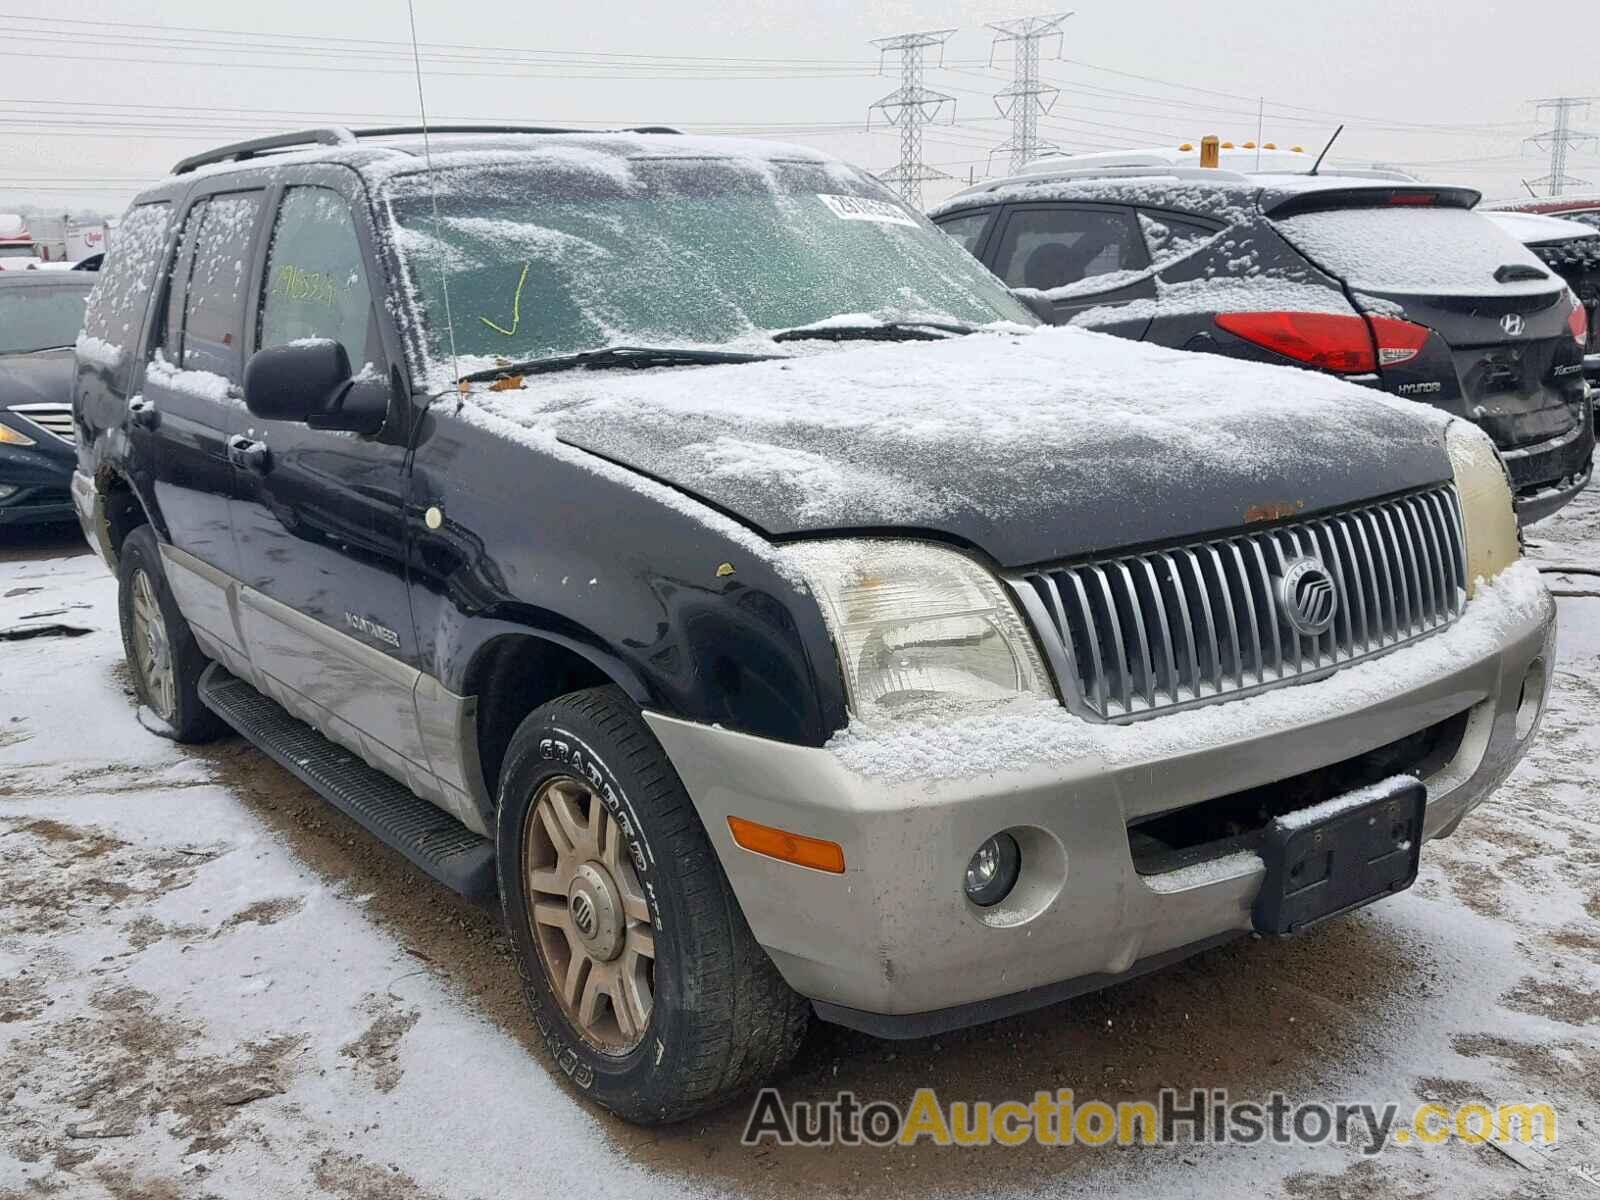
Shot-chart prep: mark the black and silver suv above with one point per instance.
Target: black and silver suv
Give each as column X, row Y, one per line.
column 1393, row 284
column 685, row 544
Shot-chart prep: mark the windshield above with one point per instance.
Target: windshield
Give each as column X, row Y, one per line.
column 40, row 318
column 17, row 252
column 555, row 255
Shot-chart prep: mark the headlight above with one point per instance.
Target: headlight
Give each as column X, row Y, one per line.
column 1487, row 510
column 914, row 622
column 10, row 437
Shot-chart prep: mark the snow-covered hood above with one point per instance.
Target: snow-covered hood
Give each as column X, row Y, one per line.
column 1031, row 445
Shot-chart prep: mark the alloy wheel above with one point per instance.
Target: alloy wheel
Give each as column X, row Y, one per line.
column 589, row 915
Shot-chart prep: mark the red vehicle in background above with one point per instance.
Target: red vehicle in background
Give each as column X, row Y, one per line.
column 17, row 249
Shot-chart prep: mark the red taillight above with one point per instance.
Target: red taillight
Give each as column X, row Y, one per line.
column 1325, row 340
column 1398, row 341
column 1578, row 320
column 1414, row 199
column 1328, row 340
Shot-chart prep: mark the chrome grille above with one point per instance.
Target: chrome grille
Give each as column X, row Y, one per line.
column 52, row 418
column 1165, row 629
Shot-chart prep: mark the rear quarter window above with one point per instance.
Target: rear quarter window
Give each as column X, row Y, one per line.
column 213, row 310
column 1439, row 250
column 128, row 275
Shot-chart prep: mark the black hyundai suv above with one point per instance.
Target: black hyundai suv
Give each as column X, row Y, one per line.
column 1396, row 285
column 684, row 543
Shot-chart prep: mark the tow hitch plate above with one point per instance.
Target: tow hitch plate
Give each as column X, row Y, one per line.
column 1341, row 854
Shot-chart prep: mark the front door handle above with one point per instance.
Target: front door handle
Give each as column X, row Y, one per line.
column 248, row 455
column 143, row 412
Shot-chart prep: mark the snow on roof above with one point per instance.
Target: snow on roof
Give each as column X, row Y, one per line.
column 1531, row 229
column 1572, row 202
column 379, row 159
column 1141, row 171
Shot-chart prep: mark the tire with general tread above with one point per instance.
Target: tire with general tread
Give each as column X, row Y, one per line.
column 723, row 1019
column 189, row 719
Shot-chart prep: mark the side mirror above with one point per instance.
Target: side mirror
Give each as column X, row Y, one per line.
column 1036, row 303
column 310, row 381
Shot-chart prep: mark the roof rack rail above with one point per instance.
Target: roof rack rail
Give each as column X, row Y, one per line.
column 397, row 130
column 334, row 135
column 331, row 135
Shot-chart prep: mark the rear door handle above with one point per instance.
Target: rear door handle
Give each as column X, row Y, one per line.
column 248, row 455
column 143, row 412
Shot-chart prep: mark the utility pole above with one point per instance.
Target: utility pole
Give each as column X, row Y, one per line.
column 1026, row 98
column 1561, row 139
column 911, row 106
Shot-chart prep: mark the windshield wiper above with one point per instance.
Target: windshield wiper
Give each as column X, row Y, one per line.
column 615, row 356
column 876, row 331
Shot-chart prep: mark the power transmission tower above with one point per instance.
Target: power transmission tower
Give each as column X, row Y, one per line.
column 911, row 106
column 1026, row 99
column 1562, row 139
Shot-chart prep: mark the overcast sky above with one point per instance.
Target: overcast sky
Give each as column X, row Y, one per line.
column 1441, row 84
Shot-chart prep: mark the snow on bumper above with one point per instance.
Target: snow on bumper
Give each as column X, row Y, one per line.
column 895, row 936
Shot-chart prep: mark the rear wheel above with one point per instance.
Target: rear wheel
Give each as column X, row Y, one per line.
column 162, row 654
column 646, row 984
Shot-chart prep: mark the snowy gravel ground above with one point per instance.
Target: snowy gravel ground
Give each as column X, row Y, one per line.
column 213, row 985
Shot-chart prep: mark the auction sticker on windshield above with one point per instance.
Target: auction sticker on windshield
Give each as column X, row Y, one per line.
column 864, row 208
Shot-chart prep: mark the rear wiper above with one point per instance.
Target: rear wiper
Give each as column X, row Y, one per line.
column 614, row 356
column 885, row 331
column 1519, row 273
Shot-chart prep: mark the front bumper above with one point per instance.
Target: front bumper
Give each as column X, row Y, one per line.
column 893, row 947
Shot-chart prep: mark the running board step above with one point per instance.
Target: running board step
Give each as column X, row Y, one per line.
column 432, row 839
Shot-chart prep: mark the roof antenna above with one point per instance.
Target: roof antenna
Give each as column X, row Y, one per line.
column 433, row 195
column 1321, row 156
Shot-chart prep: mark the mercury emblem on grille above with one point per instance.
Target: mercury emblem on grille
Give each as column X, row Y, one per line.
column 1307, row 597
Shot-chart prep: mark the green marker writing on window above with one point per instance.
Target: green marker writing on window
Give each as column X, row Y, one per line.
column 516, row 308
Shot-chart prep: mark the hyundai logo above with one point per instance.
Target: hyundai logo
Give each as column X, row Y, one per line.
column 1513, row 324
column 1307, row 597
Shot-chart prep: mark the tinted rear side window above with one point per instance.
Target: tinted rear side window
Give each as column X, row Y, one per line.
column 968, row 229
column 128, row 274
column 213, row 308
column 1439, row 250
column 1051, row 247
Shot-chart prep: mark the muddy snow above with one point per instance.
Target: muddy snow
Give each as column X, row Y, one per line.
column 213, row 985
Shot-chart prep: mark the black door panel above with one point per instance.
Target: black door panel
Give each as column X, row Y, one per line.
column 318, row 513
column 191, row 395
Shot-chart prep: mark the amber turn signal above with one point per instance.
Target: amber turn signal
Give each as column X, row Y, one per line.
column 789, row 847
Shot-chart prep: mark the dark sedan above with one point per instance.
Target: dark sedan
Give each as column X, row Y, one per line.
column 41, row 313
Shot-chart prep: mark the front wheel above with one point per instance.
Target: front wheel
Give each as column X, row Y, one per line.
column 644, row 980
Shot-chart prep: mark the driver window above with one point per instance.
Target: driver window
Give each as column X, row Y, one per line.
column 1046, row 248
column 316, row 281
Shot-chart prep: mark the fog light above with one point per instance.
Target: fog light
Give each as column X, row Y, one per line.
column 1532, row 702
column 992, row 873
